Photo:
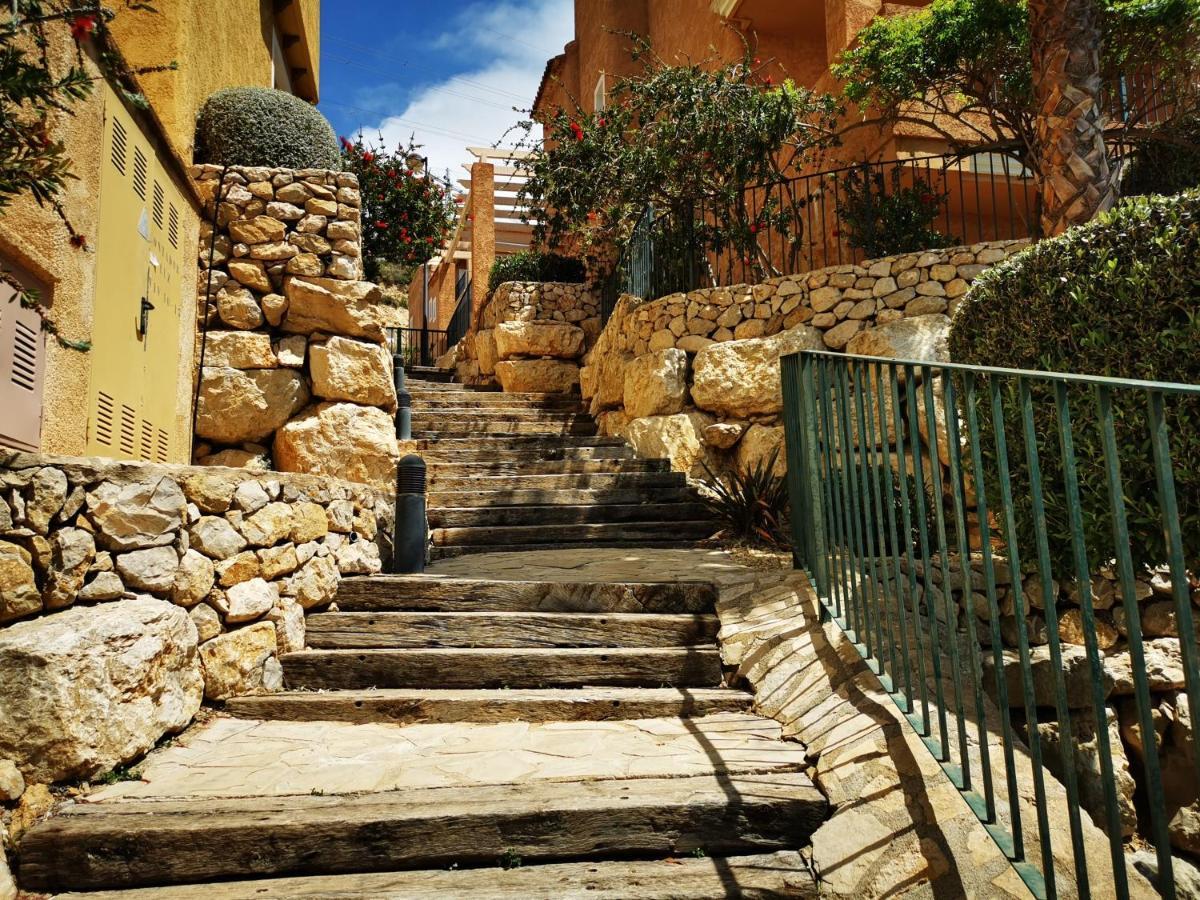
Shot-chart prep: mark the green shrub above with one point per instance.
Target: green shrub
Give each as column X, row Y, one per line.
column 1169, row 166
column 1118, row 297
column 534, row 266
column 752, row 504
column 883, row 220
column 253, row 126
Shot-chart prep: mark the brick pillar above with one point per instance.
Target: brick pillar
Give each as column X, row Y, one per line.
column 483, row 230
column 416, row 315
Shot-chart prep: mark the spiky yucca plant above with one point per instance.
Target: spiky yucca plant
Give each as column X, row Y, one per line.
column 753, row 503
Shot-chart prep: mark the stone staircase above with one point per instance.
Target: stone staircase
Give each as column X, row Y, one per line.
column 528, row 471
column 583, row 669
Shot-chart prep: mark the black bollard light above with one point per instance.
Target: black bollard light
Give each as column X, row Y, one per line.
column 403, row 402
column 412, row 537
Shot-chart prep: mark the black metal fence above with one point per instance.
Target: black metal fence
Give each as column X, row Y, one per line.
column 828, row 218
column 457, row 327
column 417, row 346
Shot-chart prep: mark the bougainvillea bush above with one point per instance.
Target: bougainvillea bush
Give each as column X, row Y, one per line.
column 406, row 213
column 683, row 138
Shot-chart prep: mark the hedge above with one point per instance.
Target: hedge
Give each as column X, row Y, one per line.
column 534, row 266
column 1118, row 297
column 253, row 126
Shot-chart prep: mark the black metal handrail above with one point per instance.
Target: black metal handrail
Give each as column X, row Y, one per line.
column 460, row 321
column 417, row 346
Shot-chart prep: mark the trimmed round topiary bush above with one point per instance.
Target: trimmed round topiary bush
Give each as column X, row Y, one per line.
column 253, row 126
column 1118, row 297
column 534, row 266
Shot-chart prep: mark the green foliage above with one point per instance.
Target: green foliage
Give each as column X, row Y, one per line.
column 534, row 266
column 406, row 214
column 963, row 67
column 255, row 126
column 1118, row 297
column 1167, row 166
column 752, row 503
column 883, row 219
column 673, row 136
column 117, row 775
column 510, row 859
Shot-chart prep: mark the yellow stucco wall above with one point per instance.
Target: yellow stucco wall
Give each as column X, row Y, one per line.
column 216, row 43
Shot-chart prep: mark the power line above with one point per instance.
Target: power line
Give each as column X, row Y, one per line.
column 483, row 101
column 470, row 138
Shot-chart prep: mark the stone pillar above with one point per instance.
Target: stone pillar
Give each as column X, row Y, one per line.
column 442, row 286
column 483, row 230
column 416, row 314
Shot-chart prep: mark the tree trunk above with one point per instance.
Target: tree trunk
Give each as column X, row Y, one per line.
column 1076, row 180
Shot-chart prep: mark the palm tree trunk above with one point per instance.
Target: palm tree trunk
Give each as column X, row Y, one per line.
column 1076, row 180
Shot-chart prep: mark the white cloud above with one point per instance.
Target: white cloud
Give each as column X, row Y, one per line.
column 511, row 41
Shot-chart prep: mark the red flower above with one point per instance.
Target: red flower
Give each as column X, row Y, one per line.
column 83, row 27
column 79, row 241
column 577, row 130
column 754, row 228
column 381, row 225
column 757, row 61
column 368, row 157
column 602, row 121
column 346, row 145
column 768, row 81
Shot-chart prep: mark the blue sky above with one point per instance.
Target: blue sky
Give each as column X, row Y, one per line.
column 449, row 72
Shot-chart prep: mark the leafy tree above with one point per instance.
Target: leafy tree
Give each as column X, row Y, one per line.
column 406, row 214
column 683, row 138
column 964, row 70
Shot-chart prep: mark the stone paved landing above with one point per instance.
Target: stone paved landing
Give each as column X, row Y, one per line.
column 248, row 758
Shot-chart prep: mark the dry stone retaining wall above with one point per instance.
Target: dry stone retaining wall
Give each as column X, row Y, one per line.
column 129, row 592
column 293, row 341
column 696, row 376
column 529, row 337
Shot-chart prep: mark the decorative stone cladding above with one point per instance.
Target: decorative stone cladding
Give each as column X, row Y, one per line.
column 695, row 376
column 529, row 336
column 226, row 562
column 296, row 375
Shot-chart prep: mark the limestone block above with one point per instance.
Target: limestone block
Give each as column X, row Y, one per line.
column 837, row 337
column 241, row 662
column 71, row 553
column 305, row 264
column 291, row 351
column 12, row 783
column 1087, row 766
column 105, row 586
column 239, row 350
column 554, row 339
column 238, row 309
column 269, row 526
column 315, row 583
column 342, row 440
column 551, row 376
column 308, row 522
column 273, row 308
column 194, row 577
column 215, row 538
column 251, row 273
column 349, row 308
column 207, row 621
column 149, row 570
column 250, row 600
column 913, row 337
column 236, row 406
column 485, row 351
column 93, row 687
column 19, row 594
column 742, row 378
column 609, row 380
column 678, row 438
column 288, row 618
column 47, row 493
column 259, row 230
column 757, row 445
column 141, row 513
column 724, row 435
column 656, row 384
column 345, row 369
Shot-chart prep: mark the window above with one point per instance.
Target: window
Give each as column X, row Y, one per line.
column 598, row 97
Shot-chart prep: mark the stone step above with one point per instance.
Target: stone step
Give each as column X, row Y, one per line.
column 466, row 499
column 436, row 553
column 436, row 418
column 629, row 532
column 781, row 874
column 441, row 454
column 438, row 593
column 404, row 707
column 592, row 481
column 132, row 843
column 463, row 428
column 521, row 441
column 502, row 667
column 429, row 373
column 463, row 400
column 354, row 630
column 566, row 514
column 440, row 468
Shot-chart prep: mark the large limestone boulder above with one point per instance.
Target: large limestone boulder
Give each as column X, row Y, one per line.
column 546, row 376
column 240, row 350
column 656, row 384
column 741, row 378
column 679, row 438
column 607, row 380
column 342, row 440
column 93, row 687
column 485, row 352
column 238, row 406
column 345, row 369
column 241, row 662
column 353, row 308
column 556, row 339
column 757, row 445
column 916, row 337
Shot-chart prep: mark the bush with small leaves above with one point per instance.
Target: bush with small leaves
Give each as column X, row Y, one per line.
column 534, row 266
column 254, row 126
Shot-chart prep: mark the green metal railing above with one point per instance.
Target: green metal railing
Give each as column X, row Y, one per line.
column 879, row 510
